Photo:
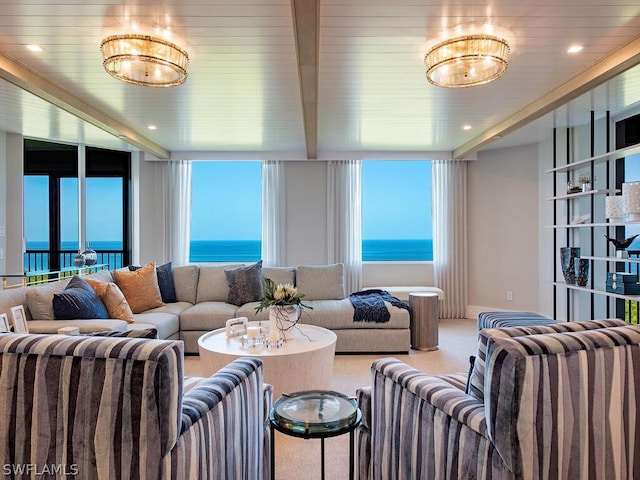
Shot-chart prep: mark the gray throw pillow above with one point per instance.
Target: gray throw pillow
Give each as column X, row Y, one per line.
column 245, row 284
column 321, row 282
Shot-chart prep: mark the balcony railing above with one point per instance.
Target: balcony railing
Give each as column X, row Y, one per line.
column 39, row 260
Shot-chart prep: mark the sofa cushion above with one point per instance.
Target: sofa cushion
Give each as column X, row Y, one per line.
column 280, row 275
column 321, row 282
column 477, row 377
column 166, row 323
column 140, row 287
column 78, row 301
column 338, row 315
column 245, row 284
column 185, row 280
column 113, row 299
column 212, row 283
column 165, row 283
column 40, row 299
column 207, row 316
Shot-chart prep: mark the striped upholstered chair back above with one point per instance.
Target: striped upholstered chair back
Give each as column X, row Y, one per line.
column 565, row 405
column 88, row 407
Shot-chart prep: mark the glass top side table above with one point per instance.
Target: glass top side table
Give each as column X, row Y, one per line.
column 315, row 414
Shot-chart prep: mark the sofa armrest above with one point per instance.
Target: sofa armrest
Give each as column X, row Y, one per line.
column 442, row 392
column 222, row 427
column 425, row 426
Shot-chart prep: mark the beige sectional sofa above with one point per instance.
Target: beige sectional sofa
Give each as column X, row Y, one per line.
column 202, row 305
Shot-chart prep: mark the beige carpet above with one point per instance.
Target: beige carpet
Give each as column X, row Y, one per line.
column 299, row 459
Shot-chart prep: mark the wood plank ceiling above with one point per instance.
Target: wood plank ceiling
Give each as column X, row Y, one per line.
column 307, row 79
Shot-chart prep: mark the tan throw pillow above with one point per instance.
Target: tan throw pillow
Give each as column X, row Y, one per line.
column 140, row 287
column 113, row 299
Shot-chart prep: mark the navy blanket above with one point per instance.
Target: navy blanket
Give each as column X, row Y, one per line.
column 369, row 305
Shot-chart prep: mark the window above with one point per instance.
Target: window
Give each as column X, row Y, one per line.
column 226, row 212
column 396, row 211
column 52, row 220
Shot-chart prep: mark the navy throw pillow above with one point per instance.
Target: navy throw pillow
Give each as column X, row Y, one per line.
column 166, row 284
column 78, row 301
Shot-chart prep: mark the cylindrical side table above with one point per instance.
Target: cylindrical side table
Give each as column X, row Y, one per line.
column 424, row 320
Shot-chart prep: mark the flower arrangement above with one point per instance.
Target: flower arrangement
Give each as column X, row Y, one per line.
column 584, row 178
column 280, row 295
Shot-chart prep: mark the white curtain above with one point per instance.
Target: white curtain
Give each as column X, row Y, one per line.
column 450, row 235
column 273, row 213
column 178, row 211
column 344, row 215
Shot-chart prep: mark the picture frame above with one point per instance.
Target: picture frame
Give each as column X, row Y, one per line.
column 5, row 327
column 19, row 320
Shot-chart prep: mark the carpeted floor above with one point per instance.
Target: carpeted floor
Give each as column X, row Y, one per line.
column 299, row 459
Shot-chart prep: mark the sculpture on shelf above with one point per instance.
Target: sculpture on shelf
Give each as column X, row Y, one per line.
column 621, row 245
column 568, row 255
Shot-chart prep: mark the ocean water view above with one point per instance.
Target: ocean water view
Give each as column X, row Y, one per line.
column 202, row 251
column 250, row 250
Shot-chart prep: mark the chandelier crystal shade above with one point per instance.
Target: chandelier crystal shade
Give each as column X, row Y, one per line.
column 467, row 60
column 144, row 60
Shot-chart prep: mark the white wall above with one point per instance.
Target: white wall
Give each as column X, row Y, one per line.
column 503, row 230
column 306, row 212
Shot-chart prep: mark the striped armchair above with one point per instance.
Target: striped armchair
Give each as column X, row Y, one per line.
column 557, row 405
column 103, row 408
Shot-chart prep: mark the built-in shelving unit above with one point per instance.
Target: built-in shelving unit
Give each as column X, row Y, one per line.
column 590, row 203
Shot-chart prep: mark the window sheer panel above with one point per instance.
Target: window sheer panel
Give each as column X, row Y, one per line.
column 450, row 235
column 273, row 214
column 344, row 220
column 178, row 207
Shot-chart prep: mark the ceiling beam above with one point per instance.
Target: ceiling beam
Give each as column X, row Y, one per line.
column 617, row 62
column 25, row 78
column 306, row 30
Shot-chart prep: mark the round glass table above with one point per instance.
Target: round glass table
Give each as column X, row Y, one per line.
column 315, row 414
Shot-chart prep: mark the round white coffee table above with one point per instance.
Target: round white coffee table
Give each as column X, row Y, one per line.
column 303, row 363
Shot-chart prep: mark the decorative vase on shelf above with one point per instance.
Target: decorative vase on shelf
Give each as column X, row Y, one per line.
column 90, row 256
column 284, row 319
column 586, row 187
column 581, row 266
column 568, row 256
column 78, row 260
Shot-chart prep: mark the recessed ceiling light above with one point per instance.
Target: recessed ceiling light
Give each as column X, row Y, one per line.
column 34, row 48
column 574, row 49
column 467, row 127
column 152, row 127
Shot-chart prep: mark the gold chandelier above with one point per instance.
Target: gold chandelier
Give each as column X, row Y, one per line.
column 144, row 60
column 467, row 60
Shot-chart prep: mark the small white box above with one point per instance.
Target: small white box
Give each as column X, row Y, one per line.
column 69, row 331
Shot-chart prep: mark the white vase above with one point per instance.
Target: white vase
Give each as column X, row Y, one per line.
column 284, row 320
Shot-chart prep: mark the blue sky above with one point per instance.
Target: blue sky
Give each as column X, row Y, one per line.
column 227, row 198
column 104, row 209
